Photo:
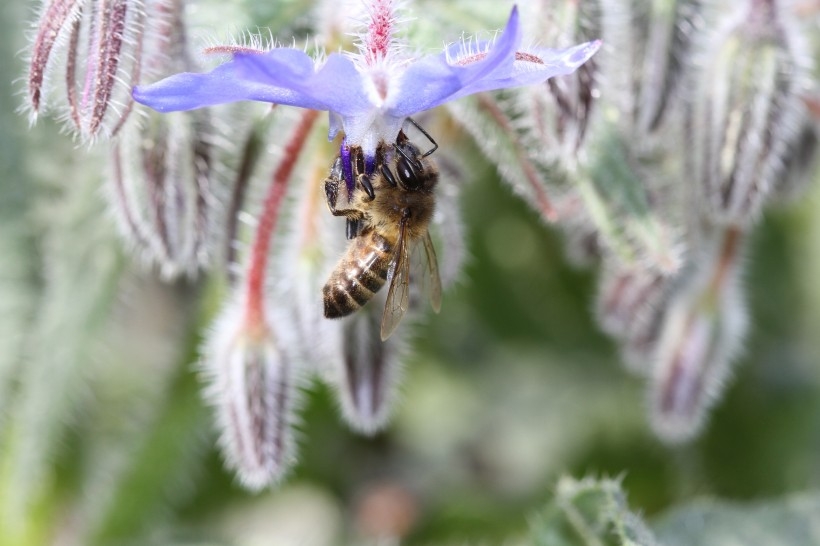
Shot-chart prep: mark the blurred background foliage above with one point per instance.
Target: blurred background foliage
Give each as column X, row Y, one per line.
column 104, row 438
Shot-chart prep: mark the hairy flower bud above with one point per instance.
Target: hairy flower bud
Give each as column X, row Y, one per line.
column 703, row 328
column 628, row 306
column 85, row 57
column 253, row 388
column 367, row 383
column 160, row 191
column 163, row 166
column 745, row 113
column 661, row 33
column 801, row 161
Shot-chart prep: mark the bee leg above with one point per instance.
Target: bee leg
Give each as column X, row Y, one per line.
column 331, row 194
column 332, row 182
column 388, row 176
column 336, row 196
column 364, row 180
column 352, row 227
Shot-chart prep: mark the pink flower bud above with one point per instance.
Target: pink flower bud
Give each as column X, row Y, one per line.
column 703, row 328
column 253, row 389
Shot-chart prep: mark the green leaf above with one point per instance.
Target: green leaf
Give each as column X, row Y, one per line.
column 789, row 521
column 589, row 512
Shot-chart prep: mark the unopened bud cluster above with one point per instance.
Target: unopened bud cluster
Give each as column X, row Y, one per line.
column 710, row 151
column 85, row 57
column 746, row 111
column 695, row 117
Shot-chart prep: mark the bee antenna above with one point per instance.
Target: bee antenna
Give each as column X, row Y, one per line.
column 425, row 133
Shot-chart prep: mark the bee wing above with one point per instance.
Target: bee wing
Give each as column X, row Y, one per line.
column 398, row 295
column 433, row 274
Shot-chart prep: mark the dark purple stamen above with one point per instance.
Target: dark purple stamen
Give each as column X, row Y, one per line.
column 369, row 165
column 347, row 169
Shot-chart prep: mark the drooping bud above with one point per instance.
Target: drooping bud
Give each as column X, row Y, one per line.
column 628, row 306
column 56, row 22
column 801, row 161
column 86, row 56
column 703, row 328
column 368, row 380
column 745, row 111
column 654, row 40
column 253, row 389
column 160, row 190
column 251, row 354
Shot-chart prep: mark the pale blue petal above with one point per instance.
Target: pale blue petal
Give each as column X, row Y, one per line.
column 554, row 62
column 281, row 76
column 431, row 80
column 336, row 86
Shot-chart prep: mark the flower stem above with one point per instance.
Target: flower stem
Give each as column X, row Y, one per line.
column 729, row 252
column 255, row 311
column 544, row 203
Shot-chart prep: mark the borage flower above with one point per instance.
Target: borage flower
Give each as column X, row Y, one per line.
column 370, row 93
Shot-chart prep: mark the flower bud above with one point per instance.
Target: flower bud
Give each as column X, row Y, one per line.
column 703, row 328
column 661, row 35
column 801, row 161
column 163, row 166
column 745, row 111
column 253, row 391
column 85, row 58
column 367, row 382
column 160, row 190
column 630, row 302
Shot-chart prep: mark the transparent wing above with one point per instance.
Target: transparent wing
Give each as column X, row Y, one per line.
column 433, row 274
column 398, row 295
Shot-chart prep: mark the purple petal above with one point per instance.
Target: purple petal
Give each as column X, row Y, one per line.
column 281, row 76
column 432, row 81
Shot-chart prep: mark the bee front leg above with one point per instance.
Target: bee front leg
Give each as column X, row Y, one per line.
column 336, row 194
column 367, row 186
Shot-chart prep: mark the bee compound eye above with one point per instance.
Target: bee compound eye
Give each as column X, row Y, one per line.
column 407, row 175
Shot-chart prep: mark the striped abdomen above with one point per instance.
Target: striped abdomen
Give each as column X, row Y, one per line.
column 360, row 273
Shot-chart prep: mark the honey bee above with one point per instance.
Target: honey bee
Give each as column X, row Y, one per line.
column 388, row 212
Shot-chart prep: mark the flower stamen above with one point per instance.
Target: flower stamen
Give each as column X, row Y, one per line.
column 379, row 38
column 527, row 57
column 231, row 49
